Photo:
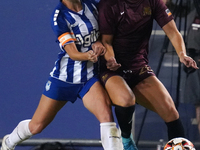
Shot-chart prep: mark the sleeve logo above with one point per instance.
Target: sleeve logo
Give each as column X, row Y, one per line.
column 168, row 12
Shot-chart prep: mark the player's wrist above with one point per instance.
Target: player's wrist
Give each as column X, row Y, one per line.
column 182, row 54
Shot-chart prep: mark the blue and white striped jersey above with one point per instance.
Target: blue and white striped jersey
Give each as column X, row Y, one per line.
column 81, row 28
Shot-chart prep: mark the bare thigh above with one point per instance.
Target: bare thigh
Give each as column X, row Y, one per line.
column 45, row 113
column 152, row 94
column 98, row 103
column 119, row 92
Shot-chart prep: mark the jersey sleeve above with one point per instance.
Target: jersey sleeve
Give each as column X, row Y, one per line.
column 61, row 28
column 161, row 13
column 106, row 18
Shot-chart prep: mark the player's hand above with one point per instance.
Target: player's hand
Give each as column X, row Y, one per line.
column 92, row 56
column 188, row 61
column 112, row 64
column 98, row 48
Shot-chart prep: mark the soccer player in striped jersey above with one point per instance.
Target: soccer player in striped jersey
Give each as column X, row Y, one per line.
column 126, row 26
column 75, row 75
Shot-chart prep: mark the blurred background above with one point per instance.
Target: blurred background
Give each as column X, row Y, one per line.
column 28, row 51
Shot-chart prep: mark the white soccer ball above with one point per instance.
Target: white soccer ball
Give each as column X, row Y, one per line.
column 179, row 144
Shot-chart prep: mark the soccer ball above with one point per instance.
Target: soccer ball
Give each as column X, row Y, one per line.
column 179, row 144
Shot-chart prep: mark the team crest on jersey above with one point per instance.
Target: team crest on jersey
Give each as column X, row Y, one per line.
column 168, row 12
column 48, row 85
column 147, row 11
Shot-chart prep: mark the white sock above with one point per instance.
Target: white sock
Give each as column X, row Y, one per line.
column 110, row 136
column 19, row 134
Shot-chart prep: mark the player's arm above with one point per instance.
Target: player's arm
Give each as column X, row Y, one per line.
column 109, row 55
column 66, row 39
column 76, row 55
column 107, row 42
column 98, row 48
column 177, row 41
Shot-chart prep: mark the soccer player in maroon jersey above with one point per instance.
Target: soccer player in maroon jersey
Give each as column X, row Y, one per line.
column 74, row 76
column 126, row 26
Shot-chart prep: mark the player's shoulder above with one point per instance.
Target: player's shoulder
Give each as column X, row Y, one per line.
column 57, row 16
column 58, row 9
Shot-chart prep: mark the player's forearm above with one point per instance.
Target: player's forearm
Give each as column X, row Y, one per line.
column 175, row 37
column 79, row 56
column 107, row 42
column 109, row 52
column 74, row 54
column 179, row 45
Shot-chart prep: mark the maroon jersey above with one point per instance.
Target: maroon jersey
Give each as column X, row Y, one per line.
column 130, row 22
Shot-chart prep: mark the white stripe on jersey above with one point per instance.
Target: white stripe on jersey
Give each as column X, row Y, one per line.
column 63, row 68
column 90, row 70
column 77, row 71
column 82, row 25
column 91, row 18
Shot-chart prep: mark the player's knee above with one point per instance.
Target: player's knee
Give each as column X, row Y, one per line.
column 171, row 115
column 126, row 101
column 174, row 115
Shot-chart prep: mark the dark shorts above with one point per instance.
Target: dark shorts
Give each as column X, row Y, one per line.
column 132, row 77
column 63, row 91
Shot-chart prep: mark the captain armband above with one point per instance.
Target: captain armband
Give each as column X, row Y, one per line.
column 66, row 37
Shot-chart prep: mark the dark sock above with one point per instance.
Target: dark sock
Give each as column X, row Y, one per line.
column 124, row 117
column 175, row 129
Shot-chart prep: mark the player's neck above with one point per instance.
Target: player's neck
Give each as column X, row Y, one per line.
column 74, row 5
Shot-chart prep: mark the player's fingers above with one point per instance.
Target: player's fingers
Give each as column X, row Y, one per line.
column 114, row 67
column 96, row 50
column 91, row 52
column 103, row 51
column 189, row 62
column 94, row 59
column 194, row 65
